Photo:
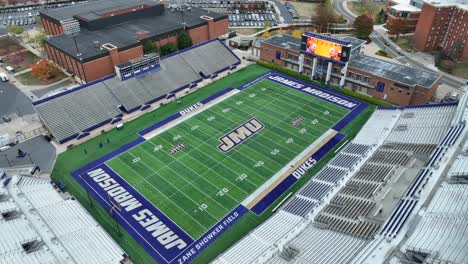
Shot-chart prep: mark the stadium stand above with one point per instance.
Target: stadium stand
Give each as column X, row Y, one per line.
column 37, row 225
column 440, row 236
column 73, row 114
column 365, row 195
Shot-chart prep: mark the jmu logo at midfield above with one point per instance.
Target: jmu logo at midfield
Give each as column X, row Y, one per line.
column 240, row 134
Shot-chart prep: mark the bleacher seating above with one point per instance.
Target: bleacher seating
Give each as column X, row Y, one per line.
column 38, row 226
column 459, row 171
column 258, row 241
column 317, row 245
column 441, row 235
column 86, row 108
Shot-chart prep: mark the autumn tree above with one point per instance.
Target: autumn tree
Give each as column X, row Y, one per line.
column 364, row 25
column 396, row 28
column 43, row 70
column 325, row 16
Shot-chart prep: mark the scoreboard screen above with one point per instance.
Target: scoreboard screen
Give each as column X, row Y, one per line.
column 325, row 47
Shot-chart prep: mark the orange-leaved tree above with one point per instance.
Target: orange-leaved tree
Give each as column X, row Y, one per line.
column 43, row 70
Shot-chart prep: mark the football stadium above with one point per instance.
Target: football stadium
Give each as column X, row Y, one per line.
column 206, row 156
column 229, row 163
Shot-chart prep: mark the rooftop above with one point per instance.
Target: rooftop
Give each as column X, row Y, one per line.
column 123, row 35
column 406, row 7
column 463, row 4
column 401, row 73
column 93, row 9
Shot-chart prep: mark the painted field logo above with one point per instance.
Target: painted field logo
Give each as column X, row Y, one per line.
column 240, row 134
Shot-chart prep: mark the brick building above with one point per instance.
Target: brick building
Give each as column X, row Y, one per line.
column 395, row 83
column 404, row 13
column 111, row 32
column 443, row 25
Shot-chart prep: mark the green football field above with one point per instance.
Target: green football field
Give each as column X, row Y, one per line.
column 197, row 184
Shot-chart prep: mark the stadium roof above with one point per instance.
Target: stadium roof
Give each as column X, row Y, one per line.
column 123, row 35
column 388, row 70
column 93, row 9
column 392, row 71
column 38, row 225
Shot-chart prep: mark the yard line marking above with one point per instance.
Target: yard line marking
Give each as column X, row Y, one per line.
column 191, row 182
column 175, row 187
column 225, row 157
column 153, row 187
column 236, row 150
column 208, row 169
column 306, row 105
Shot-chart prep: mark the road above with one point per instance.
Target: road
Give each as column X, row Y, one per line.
column 339, row 7
column 380, row 39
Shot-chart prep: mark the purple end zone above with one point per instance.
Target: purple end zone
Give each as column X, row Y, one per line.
column 158, row 234
column 302, row 169
column 211, row 235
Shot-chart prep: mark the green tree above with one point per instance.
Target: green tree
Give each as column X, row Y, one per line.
column 184, row 40
column 364, row 25
column 168, row 49
column 15, row 29
column 381, row 17
column 39, row 39
column 149, row 47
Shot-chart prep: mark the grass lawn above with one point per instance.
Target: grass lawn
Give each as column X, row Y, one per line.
column 75, row 158
column 20, row 60
column 27, row 79
column 361, row 7
column 383, row 53
column 460, row 69
column 306, row 9
column 8, row 45
column 406, row 43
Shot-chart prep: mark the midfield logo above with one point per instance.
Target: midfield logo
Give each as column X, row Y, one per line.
column 240, row 134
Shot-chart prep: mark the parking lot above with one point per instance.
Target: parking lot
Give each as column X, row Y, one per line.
column 241, row 13
column 25, row 16
column 252, row 20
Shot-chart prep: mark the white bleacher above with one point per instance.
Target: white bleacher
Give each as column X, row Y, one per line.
column 251, row 247
column 459, row 170
column 377, row 127
column 317, row 245
column 423, row 125
column 41, row 227
column 41, row 257
column 442, row 233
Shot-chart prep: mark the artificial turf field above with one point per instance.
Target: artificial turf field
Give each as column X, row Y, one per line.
column 77, row 156
column 198, row 185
